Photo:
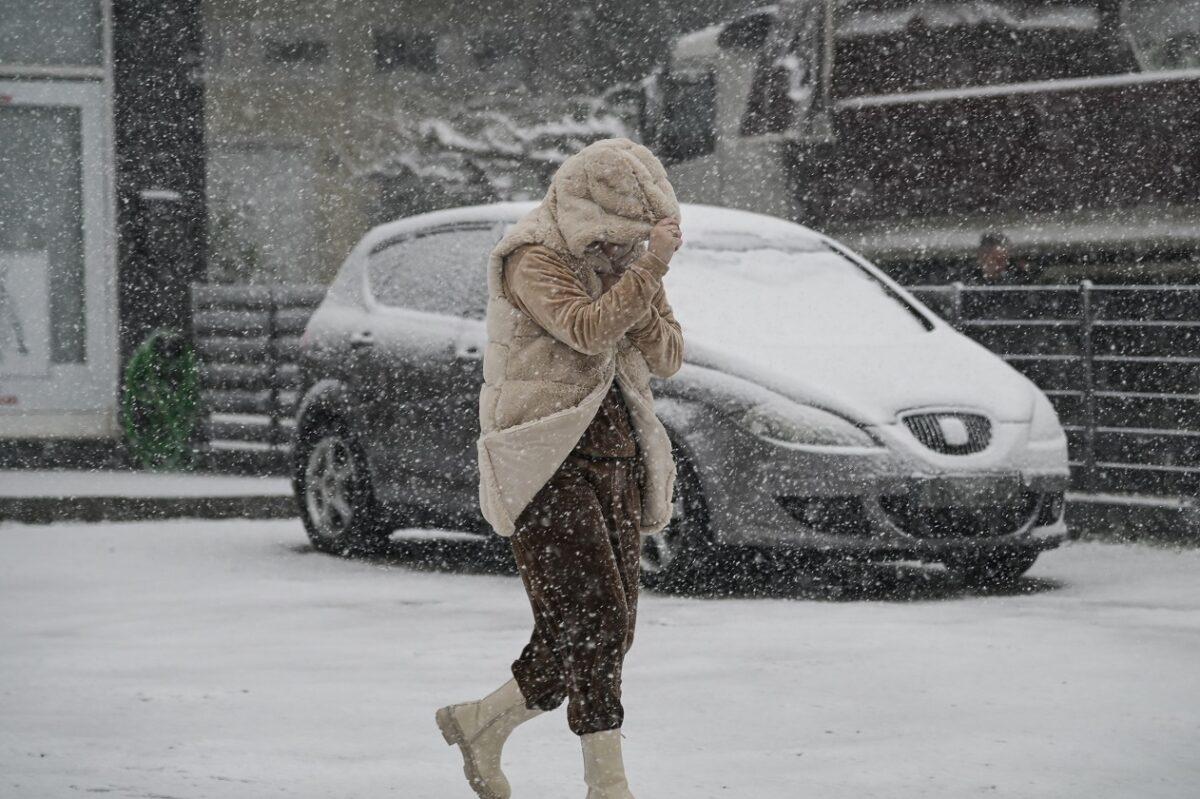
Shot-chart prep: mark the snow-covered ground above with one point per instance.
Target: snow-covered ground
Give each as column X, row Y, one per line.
column 68, row 483
column 226, row 659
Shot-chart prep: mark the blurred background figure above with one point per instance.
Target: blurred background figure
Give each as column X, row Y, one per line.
column 993, row 257
column 995, row 262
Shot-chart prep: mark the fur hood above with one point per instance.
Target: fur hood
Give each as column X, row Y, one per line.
column 612, row 190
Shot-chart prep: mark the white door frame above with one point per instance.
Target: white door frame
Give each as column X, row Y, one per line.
column 76, row 400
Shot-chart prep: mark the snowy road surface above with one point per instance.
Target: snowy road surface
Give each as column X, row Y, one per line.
column 226, row 659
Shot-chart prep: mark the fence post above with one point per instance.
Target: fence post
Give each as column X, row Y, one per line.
column 273, row 299
column 957, row 305
column 1087, row 345
column 201, row 438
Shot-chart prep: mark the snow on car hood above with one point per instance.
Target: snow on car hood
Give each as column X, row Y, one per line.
column 802, row 320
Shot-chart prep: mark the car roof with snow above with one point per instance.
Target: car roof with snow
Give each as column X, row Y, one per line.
column 774, row 303
column 702, row 224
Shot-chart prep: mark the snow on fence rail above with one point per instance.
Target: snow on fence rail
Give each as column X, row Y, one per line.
column 247, row 338
column 1120, row 363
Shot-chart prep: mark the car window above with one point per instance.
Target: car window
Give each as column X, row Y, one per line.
column 440, row 271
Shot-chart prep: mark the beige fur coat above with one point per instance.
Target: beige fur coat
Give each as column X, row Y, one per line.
column 542, row 389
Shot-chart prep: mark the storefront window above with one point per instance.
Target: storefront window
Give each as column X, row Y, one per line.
column 50, row 33
column 41, row 239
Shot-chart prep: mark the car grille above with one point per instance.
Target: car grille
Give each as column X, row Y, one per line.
column 928, row 429
column 922, row 521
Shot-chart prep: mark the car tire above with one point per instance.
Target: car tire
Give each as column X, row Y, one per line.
column 998, row 567
column 333, row 489
column 682, row 556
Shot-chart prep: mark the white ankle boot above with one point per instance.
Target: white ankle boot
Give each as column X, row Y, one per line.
column 603, row 768
column 480, row 730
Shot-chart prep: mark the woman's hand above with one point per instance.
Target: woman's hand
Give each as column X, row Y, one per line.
column 608, row 280
column 665, row 239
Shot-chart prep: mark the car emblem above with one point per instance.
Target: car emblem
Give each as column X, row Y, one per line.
column 954, row 431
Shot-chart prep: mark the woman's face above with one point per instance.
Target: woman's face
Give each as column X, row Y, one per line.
column 611, row 251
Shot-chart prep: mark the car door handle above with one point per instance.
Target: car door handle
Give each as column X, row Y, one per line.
column 364, row 339
column 470, row 352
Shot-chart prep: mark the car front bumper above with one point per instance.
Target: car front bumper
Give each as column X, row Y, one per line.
column 885, row 502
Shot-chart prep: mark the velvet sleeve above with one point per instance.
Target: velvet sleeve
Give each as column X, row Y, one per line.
column 660, row 338
column 544, row 287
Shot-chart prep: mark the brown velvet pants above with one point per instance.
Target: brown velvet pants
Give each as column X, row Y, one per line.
column 577, row 547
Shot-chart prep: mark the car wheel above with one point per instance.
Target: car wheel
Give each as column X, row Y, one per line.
column 999, row 567
column 333, row 487
column 681, row 556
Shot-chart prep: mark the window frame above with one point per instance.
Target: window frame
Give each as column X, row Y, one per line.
column 78, row 398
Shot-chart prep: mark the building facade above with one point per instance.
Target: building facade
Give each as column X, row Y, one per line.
column 325, row 117
column 101, row 201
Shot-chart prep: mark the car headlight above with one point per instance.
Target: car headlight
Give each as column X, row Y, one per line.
column 1044, row 426
column 804, row 426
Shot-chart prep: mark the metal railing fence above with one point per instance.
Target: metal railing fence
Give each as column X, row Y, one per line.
column 1120, row 363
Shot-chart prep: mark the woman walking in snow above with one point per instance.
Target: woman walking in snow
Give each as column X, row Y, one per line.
column 574, row 464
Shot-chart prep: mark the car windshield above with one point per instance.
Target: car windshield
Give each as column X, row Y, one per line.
column 737, row 290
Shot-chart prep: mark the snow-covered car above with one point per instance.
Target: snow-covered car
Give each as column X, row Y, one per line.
column 820, row 407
